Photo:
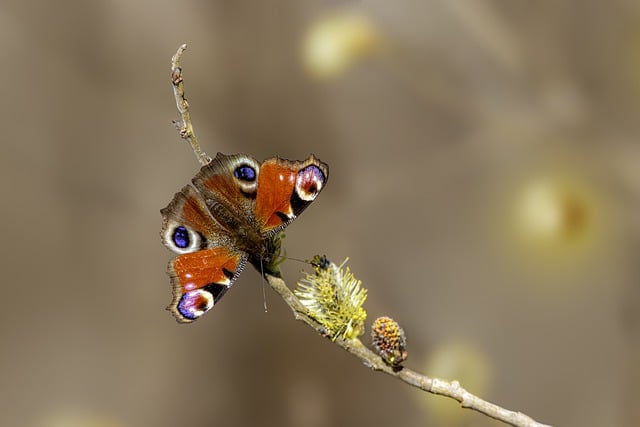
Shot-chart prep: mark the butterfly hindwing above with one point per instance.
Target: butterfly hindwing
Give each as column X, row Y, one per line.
column 201, row 278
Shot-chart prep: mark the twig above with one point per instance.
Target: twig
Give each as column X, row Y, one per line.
column 370, row 359
column 184, row 125
column 354, row 346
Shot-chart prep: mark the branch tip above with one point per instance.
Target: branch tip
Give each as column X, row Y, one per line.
column 185, row 129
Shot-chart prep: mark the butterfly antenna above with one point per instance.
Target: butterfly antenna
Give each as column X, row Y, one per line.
column 304, row 261
column 264, row 293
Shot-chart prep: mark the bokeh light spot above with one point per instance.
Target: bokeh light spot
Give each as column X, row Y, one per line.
column 555, row 219
column 336, row 42
column 460, row 361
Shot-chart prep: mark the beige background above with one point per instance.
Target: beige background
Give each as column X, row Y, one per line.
column 426, row 145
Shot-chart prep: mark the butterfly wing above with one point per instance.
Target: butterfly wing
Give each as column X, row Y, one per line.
column 234, row 205
column 259, row 199
column 285, row 189
column 229, row 184
column 207, row 263
column 200, row 279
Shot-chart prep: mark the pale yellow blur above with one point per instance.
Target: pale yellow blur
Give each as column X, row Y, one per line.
column 461, row 361
column 336, row 42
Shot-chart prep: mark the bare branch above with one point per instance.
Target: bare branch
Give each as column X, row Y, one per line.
column 184, row 125
column 370, row 359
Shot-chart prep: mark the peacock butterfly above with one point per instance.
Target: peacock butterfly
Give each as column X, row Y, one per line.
column 226, row 217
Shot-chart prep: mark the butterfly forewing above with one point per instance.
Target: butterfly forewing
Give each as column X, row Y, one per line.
column 228, row 185
column 283, row 190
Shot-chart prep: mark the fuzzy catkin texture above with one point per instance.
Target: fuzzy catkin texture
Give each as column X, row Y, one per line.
column 334, row 298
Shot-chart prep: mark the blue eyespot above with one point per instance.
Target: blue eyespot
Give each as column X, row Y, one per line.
column 245, row 173
column 194, row 304
column 181, row 237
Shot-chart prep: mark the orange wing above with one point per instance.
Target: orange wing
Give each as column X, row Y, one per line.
column 200, row 279
column 285, row 189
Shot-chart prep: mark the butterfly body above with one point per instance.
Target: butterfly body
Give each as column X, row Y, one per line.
column 226, row 217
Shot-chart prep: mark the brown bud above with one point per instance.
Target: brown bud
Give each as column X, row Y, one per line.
column 389, row 341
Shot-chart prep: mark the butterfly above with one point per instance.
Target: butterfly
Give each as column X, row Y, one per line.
column 226, row 217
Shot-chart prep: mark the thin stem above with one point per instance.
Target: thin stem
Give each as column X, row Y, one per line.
column 184, row 125
column 370, row 359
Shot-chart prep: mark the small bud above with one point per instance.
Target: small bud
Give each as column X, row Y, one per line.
column 389, row 341
column 319, row 263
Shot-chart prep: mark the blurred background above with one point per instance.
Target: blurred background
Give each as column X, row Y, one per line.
column 484, row 183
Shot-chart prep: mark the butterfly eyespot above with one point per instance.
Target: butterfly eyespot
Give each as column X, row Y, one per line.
column 194, row 304
column 309, row 182
column 245, row 173
column 181, row 239
column 247, row 178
